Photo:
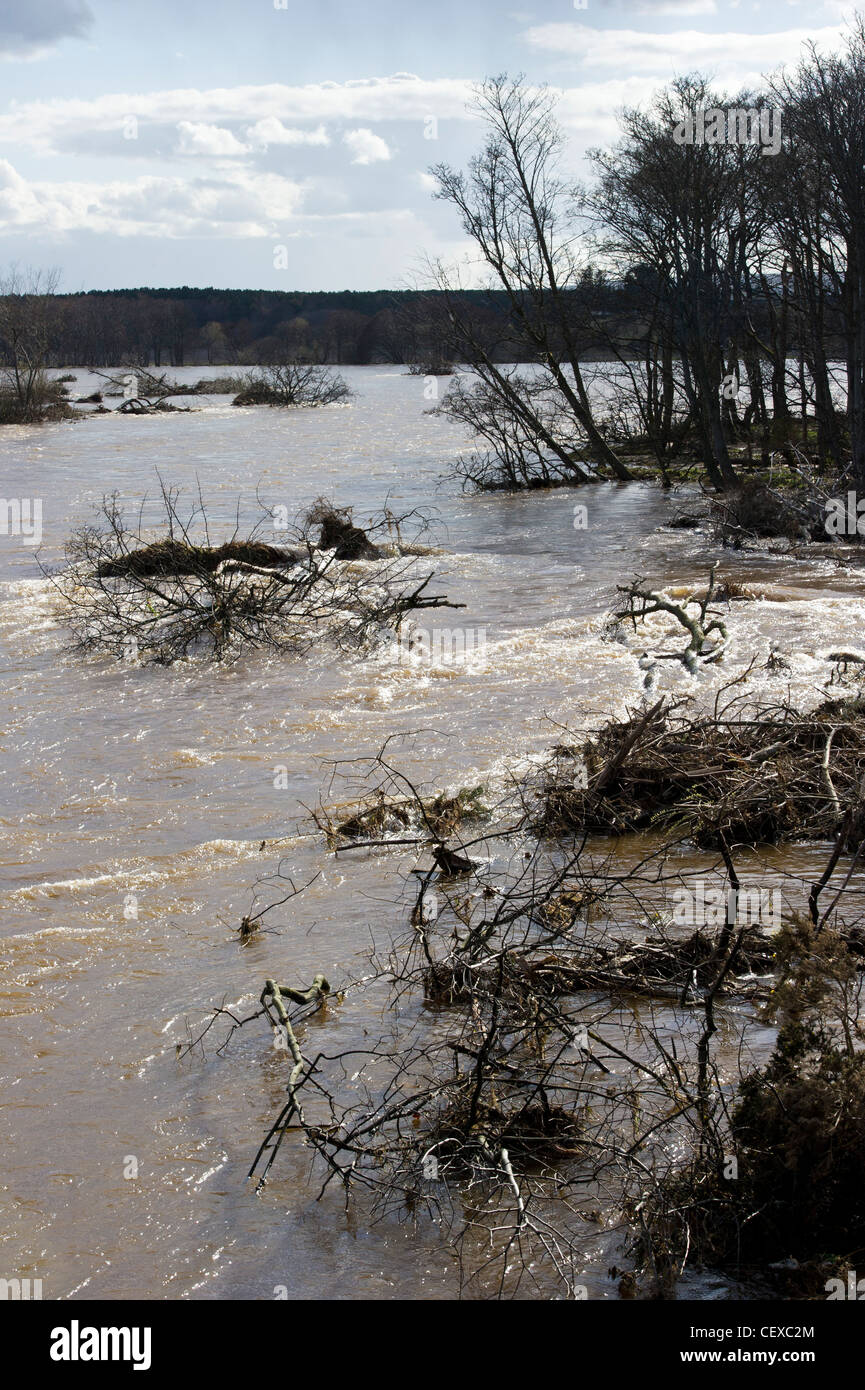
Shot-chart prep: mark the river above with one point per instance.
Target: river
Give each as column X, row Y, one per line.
column 135, row 801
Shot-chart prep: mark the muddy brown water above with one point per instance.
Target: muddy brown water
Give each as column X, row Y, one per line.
column 134, row 802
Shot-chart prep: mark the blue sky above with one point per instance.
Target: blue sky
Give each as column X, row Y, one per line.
column 144, row 142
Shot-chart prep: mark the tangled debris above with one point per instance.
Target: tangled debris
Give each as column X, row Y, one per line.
column 182, row 595
column 339, row 533
column 773, row 775
column 173, row 557
column 440, row 815
column 661, row 967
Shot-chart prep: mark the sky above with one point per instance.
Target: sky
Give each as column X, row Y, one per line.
column 286, row 144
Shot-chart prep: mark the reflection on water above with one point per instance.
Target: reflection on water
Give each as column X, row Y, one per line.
column 135, row 803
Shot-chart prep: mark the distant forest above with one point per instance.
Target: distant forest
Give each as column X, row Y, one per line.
column 185, row 326
column 193, row 327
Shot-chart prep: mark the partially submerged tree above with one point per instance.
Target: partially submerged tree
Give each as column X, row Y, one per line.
column 684, row 211
column 28, row 319
column 515, row 418
column 518, row 212
column 824, row 117
column 294, row 384
column 706, row 630
column 182, row 594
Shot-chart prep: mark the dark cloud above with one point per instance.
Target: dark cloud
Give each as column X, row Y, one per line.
column 30, row 26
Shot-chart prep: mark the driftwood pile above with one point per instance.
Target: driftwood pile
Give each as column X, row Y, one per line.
column 776, row 775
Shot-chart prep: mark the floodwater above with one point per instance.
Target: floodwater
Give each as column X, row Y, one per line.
column 135, row 802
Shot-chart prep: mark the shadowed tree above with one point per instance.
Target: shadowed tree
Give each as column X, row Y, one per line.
column 677, row 208
column 824, row 123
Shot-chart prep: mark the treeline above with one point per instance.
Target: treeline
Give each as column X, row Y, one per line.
column 189, row 327
column 186, row 326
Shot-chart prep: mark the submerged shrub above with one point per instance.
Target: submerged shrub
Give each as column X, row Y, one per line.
column 43, row 400
column 159, row 600
column 294, row 383
column 795, row 1204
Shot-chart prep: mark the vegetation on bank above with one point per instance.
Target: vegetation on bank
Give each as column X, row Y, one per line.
column 742, row 271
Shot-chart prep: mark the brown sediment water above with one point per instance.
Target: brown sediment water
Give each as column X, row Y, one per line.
column 135, row 802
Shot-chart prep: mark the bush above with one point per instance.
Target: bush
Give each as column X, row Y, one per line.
column 798, row 1200
column 433, row 364
column 294, row 384
column 755, row 510
column 219, row 386
column 45, row 401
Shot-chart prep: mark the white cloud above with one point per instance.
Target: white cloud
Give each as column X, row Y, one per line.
column 209, row 141
column 668, row 7
column 236, row 204
column 271, row 131
column 588, row 112
column 677, row 7
column 844, row 9
column 684, row 50
column 64, row 125
column 366, row 148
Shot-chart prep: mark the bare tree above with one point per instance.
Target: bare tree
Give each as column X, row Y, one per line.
column 514, row 417
column 678, row 209
column 824, row 115
column 519, row 214
column 28, row 324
